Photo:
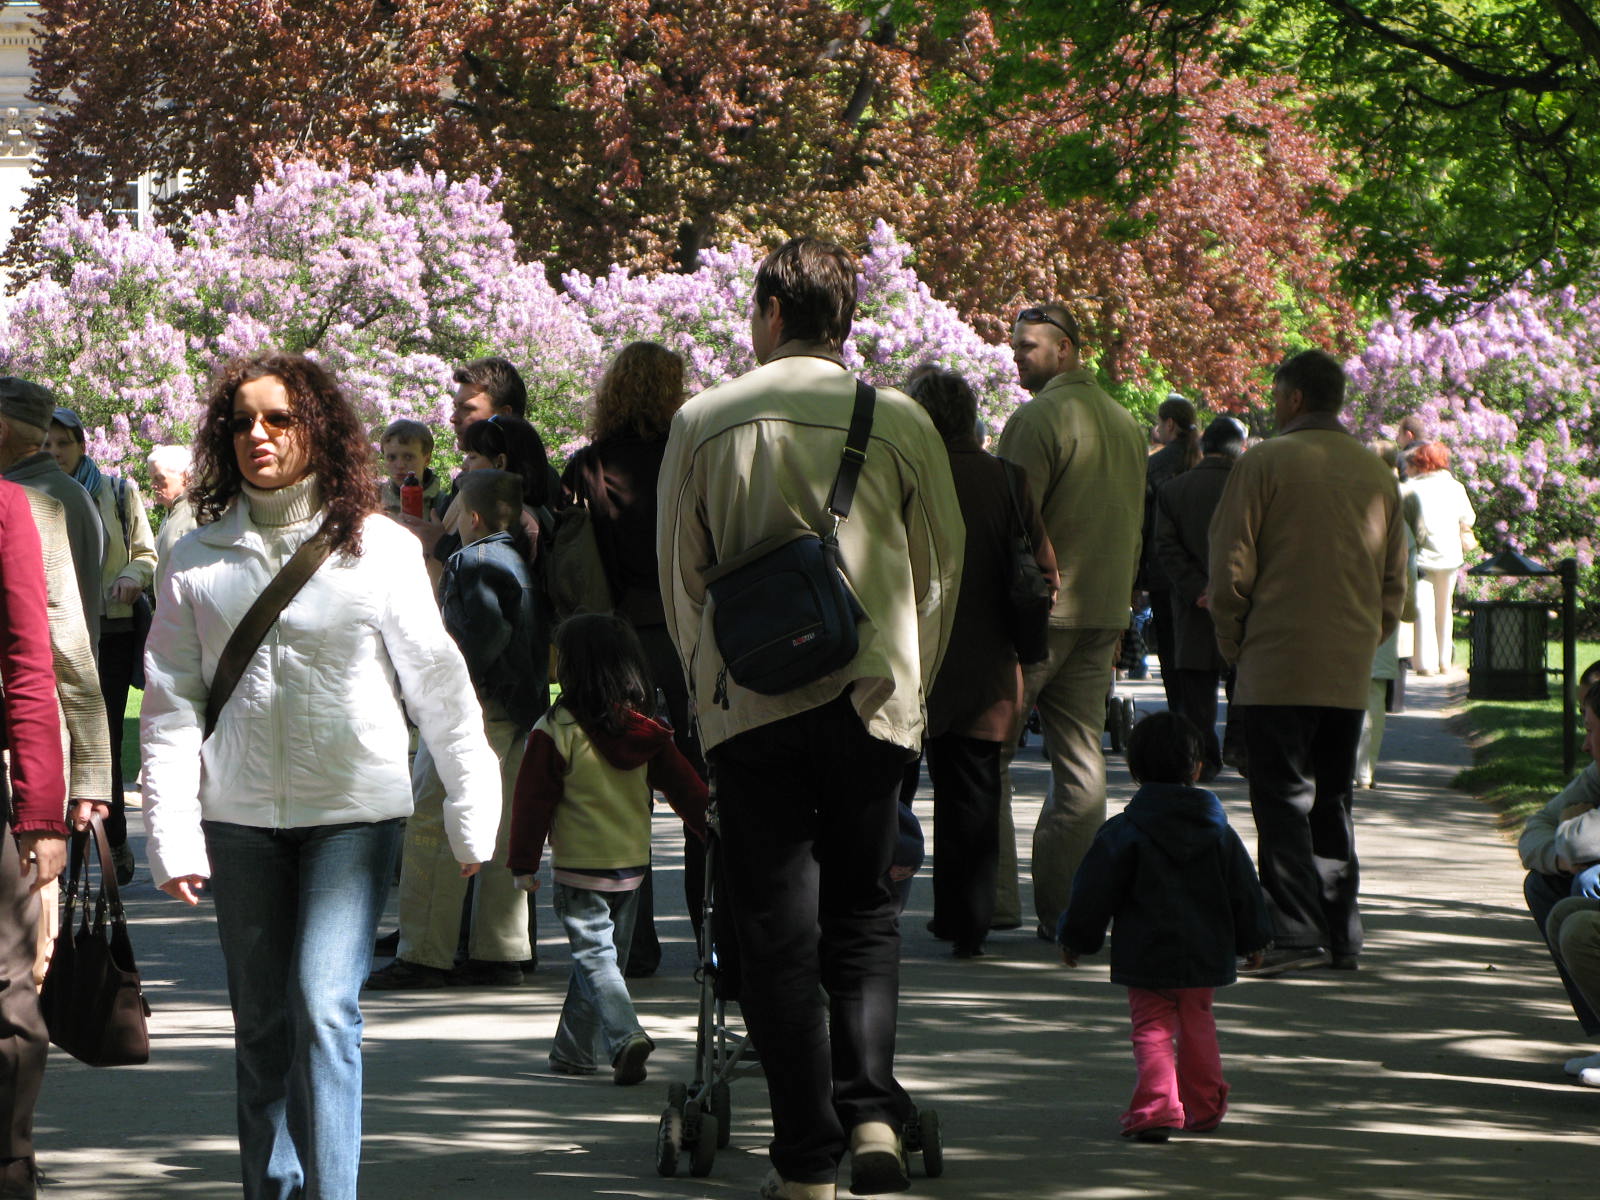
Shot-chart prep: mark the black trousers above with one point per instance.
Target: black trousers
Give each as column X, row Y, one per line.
column 1544, row 892
column 118, row 653
column 966, row 835
column 1166, row 639
column 809, row 820
column 23, row 1040
column 1302, row 785
column 1196, row 693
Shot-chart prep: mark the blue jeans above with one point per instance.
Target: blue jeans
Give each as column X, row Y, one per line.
column 297, row 910
column 597, row 1017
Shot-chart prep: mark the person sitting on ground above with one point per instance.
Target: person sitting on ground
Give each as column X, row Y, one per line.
column 491, row 609
column 407, row 448
column 1178, row 883
column 1560, row 846
column 585, row 782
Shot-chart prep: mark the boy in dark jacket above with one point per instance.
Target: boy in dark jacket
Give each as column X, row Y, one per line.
column 1177, row 881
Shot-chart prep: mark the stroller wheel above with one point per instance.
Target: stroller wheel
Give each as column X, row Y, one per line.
column 931, row 1141
column 1114, row 724
column 705, row 1147
column 722, row 1110
column 669, row 1142
column 678, row 1097
column 1129, row 716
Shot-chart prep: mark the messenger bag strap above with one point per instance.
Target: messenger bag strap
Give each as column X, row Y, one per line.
column 252, row 630
column 854, row 454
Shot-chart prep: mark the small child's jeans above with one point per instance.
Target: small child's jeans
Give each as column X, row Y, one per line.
column 1180, row 1086
column 597, row 1017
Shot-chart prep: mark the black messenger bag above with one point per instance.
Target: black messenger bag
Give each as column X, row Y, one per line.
column 782, row 614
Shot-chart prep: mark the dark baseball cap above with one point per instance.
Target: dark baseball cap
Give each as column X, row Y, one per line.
column 25, row 401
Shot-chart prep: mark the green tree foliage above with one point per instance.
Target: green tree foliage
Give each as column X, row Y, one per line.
column 1470, row 129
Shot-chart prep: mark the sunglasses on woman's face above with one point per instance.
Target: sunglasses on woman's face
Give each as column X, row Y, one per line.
column 273, row 422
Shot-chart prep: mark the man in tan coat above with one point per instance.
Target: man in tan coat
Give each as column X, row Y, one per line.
column 808, row 780
column 1085, row 458
column 1308, row 565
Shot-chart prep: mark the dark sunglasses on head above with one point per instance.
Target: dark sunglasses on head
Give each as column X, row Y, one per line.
column 1041, row 316
column 274, row 422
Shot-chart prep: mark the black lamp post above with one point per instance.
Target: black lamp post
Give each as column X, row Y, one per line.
column 1508, row 640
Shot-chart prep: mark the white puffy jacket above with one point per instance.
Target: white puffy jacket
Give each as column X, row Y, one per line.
column 314, row 734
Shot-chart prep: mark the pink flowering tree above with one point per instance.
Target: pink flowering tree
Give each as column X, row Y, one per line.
column 391, row 281
column 1511, row 392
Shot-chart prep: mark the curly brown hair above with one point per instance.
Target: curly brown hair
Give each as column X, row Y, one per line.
column 640, row 391
column 335, row 442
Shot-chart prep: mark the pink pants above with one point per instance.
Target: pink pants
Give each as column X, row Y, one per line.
column 1180, row 1086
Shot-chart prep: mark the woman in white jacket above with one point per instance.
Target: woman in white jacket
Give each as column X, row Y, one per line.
column 291, row 810
column 1446, row 519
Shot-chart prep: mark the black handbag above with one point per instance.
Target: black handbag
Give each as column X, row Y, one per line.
column 1028, row 594
column 782, row 614
column 93, row 1004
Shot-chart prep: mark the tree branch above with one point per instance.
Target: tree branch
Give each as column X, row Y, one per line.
column 1550, row 79
column 1576, row 18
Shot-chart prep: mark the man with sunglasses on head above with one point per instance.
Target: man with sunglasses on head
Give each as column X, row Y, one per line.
column 1085, row 459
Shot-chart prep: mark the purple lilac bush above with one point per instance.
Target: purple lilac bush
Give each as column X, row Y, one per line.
column 391, row 281
column 1511, row 392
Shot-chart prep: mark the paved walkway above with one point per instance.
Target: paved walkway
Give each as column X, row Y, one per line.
column 1434, row 1071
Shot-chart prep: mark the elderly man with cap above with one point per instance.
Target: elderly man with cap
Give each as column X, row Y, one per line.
column 26, row 410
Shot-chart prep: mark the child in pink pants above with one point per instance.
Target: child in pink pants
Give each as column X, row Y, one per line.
column 1175, row 878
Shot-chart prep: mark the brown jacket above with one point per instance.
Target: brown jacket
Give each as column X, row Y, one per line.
column 979, row 688
column 1085, row 458
column 1308, row 562
column 83, row 710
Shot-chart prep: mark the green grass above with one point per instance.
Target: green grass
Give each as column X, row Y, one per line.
column 1516, row 746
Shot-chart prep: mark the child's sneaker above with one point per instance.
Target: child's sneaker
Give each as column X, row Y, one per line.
column 1577, row 1066
column 1590, row 1077
column 877, row 1160
column 776, row 1187
column 628, row 1066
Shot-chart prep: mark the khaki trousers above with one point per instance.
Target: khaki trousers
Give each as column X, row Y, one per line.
column 1069, row 688
column 1573, row 929
column 431, row 886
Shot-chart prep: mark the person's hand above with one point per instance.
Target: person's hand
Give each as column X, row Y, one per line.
column 82, row 809
column 185, row 888
column 468, row 870
column 428, row 530
column 527, row 883
column 125, row 591
column 45, row 854
column 1204, row 601
column 1068, row 958
column 901, row 874
column 1255, row 958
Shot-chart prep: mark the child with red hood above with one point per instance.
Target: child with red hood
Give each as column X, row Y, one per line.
column 591, row 764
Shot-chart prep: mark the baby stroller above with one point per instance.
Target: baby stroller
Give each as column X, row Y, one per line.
column 698, row 1117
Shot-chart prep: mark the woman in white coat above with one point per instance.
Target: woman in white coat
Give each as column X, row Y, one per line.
column 290, row 811
column 1446, row 519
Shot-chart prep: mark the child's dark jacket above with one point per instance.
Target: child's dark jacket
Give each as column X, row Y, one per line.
column 1175, row 878
column 491, row 607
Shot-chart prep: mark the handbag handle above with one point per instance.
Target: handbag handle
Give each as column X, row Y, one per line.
column 110, row 897
column 248, row 635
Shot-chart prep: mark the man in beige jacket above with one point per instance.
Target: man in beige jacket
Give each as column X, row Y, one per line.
column 1085, row 458
column 807, row 781
column 1308, row 575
